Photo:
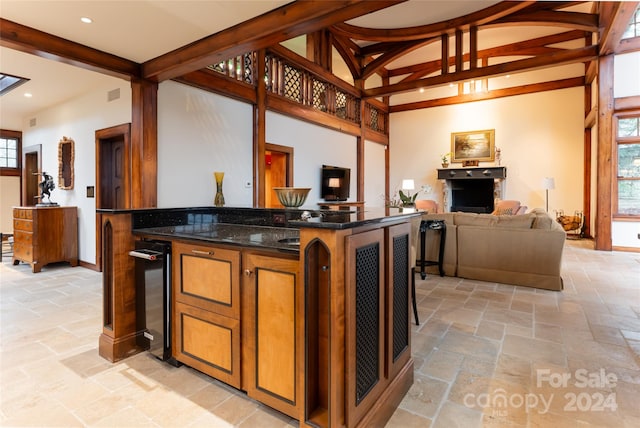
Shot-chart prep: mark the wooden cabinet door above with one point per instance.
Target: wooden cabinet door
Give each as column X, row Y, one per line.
column 207, row 277
column 208, row 342
column 398, row 295
column 270, row 318
column 365, row 322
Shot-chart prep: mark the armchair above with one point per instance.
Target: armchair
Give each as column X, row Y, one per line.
column 428, row 205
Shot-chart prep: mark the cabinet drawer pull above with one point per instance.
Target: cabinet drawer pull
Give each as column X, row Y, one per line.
column 204, row 253
column 248, row 272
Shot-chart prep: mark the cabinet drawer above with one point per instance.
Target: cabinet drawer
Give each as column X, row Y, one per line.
column 25, row 225
column 208, row 278
column 208, row 342
column 23, row 252
column 22, row 213
column 22, row 237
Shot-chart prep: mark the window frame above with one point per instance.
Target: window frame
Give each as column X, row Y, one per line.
column 630, row 114
column 9, row 171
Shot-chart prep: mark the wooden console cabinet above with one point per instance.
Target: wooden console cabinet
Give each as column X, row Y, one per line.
column 44, row 235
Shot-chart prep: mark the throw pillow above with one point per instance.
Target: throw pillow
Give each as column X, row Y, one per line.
column 503, row 211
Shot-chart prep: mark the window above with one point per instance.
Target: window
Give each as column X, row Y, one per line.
column 10, row 152
column 633, row 30
column 628, row 144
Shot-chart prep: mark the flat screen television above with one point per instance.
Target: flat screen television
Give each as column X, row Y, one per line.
column 335, row 183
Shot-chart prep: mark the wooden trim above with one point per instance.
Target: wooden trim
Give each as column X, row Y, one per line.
column 493, row 94
column 260, row 135
column 605, row 188
column 266, row 30
column 211, row 81
column 87, row 265
column 17, row 171
column 627, row 103
column 628, row 45
column 590, row 118
column 626, row 249
column 48, row 46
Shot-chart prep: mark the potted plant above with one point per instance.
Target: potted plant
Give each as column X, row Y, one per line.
column 407, row 199
column 445, row 159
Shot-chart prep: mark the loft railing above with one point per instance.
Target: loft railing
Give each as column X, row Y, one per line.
column 284, row 78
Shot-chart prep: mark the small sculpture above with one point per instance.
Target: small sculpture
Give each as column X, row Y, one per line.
column 46, row 186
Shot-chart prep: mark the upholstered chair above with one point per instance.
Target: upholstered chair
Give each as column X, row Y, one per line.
column 428, row 205
column 508, row 207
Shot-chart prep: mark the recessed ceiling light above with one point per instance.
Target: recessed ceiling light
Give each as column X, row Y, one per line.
column 86, row 20
column 28, row 95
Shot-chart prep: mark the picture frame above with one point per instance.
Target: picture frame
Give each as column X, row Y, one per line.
column 476, row 146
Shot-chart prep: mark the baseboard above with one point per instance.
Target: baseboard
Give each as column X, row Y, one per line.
column 87, row 265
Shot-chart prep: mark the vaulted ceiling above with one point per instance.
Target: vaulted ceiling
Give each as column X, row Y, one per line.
column 388, row 48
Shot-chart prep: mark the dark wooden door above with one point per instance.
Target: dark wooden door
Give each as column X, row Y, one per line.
column 112, row 174
column 30, row 175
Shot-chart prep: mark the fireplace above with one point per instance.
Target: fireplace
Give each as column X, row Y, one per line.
column 472, row 189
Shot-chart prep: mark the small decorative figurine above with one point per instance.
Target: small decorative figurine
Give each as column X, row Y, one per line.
column 46, row 186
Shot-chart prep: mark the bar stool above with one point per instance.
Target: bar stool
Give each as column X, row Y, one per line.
column 439, row 226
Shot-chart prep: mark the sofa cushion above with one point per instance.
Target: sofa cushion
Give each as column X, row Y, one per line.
column 542, row 220
column 515, row 221
column 473, row 219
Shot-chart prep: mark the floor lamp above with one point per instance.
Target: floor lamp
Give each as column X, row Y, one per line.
column 548, row 184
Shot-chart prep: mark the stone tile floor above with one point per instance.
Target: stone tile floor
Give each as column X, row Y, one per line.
column 485, row 354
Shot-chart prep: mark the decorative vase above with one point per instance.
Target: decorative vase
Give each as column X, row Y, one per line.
column 445, row 164
column 219, row 199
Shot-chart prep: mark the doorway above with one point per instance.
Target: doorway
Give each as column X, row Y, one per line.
column 31, row 165
column 113, row 176
column 278, row 172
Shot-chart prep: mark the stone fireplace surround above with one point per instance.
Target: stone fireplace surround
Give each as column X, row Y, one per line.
column 472, row 189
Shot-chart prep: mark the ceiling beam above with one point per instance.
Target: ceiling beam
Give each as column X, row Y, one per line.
column 553, row 59
column 271, row 28
column 29, row 40
column 614, row 20
column 493, row 94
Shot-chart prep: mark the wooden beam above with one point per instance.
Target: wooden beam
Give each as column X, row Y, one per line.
column 45, row 45
column 531, row 47
column 144, row 144
column 627, row 103
column 604, row 163
column 497, row 93
column 286, row 22
column 614, row 20
column 213, row 81
column 573, row 20
column 590, row 118
column 528, row 64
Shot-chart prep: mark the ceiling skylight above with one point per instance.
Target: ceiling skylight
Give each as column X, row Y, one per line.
column 9, row 82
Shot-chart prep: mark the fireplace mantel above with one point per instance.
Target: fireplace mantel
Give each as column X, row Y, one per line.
column 495, row 172
column 472, row 189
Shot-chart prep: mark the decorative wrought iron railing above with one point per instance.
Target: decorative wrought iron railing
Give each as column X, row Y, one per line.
column 286, row 79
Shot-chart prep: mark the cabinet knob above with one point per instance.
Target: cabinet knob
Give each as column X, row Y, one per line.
column 248, row 272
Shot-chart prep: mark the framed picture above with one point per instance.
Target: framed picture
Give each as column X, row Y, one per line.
column 473, row 146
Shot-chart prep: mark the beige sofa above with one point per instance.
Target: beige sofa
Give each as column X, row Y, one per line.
column 512, row 249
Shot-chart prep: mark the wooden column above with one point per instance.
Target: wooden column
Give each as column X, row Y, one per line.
column 144, row 144
column 605, row 153
column 259, row 132
column 120, row 326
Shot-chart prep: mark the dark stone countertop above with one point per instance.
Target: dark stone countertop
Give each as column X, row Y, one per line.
column 278, row 238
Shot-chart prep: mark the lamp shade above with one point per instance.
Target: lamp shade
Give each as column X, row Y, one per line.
column 549, row 183
column 408, row 184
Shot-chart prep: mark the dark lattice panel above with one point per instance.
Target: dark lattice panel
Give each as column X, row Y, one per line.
column 400, row 294
column 319, row 95
column 341, row 105
column 367, row 327
column 374, row 119
column 238, row 68
column 292, row 88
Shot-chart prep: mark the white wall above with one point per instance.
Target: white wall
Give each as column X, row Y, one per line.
column 9, row 198
column 540, row 135
column 374, row 174
column 313, row 146
column 200, row 133
column 78, row 119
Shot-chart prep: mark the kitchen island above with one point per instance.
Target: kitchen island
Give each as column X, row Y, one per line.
column 310, row 317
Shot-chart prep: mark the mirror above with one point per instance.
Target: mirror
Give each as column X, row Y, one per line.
column 65, row 163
